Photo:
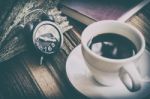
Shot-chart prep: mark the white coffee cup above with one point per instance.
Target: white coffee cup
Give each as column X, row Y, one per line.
column 105, row 70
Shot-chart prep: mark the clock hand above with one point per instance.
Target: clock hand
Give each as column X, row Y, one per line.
column 47, row 39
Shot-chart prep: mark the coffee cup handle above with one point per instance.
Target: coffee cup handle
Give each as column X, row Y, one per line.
column 130, row 77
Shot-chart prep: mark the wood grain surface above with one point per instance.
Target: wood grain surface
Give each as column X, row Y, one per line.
column 23, row 78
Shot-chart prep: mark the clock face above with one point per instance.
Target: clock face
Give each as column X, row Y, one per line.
column 46, row 38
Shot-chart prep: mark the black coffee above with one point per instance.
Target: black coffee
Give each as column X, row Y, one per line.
column 112, row 46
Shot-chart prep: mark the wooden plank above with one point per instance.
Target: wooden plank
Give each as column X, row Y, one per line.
column 16, row 82
column 42, row 76
column 23, row 77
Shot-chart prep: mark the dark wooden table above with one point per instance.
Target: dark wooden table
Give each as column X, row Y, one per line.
column 23, row 78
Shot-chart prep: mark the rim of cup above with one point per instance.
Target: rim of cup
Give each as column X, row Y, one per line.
column 138, row 54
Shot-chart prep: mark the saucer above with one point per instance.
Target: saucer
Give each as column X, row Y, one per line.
column 82, row 80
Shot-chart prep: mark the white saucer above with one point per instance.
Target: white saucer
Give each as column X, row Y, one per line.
column 81, row 78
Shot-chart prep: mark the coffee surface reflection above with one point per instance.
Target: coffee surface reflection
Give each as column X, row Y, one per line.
column 112, row 45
